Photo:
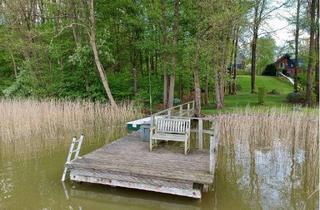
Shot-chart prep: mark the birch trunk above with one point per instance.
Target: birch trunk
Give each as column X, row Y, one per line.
column 93, row 44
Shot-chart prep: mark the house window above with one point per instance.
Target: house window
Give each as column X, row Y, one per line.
column 281, row 65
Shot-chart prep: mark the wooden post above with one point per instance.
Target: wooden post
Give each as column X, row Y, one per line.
column 214, row 140
column 180, row 111
column 200, row 133
column 188, row 110
column 212, row 156
column 169, row 112
column 152, row 120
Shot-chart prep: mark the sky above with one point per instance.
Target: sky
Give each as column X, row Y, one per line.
column 282, row 30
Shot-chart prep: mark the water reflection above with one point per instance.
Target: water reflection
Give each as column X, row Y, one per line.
column 251, row 174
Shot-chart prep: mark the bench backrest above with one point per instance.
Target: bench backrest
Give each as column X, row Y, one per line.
column 173, row 125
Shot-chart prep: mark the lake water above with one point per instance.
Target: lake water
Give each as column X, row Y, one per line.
column 247, row 177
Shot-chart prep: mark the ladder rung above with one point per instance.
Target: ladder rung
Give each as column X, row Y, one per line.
column 75, row 150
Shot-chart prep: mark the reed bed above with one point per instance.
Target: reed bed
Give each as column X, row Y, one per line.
column 25, row 121
column 266, row 125
column 288, row 134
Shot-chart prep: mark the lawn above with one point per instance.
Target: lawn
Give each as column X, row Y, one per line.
column 244, row 97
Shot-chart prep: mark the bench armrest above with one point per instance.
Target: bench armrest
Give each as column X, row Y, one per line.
column 152, row 129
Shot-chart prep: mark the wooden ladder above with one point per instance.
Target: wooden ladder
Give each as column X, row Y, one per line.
column 76, row 143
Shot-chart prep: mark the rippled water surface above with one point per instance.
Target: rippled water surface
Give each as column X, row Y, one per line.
column 266, row 176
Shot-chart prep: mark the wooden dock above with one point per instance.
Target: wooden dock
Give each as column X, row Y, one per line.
column 127, row 162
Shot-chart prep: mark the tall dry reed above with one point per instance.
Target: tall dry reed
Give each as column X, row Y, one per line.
column 262, row 129
column 24, row 121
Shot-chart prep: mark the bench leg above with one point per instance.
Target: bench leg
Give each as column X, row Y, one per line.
column 185, row 147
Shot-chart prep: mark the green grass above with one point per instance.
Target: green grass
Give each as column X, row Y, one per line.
column 244, row 97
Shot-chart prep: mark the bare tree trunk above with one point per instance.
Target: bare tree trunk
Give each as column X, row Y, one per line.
column 258, row 10
column 234, row 76
column 206, row 100
column 165, row 56
column 296, row 47
column 317, row 55
column 93, row 44
column 253, row 60
column 311, row 53
column 219, row 104
column 14, row 65
column 135, row 80
column 231, row 66
column 197, row 89
column 174, row 56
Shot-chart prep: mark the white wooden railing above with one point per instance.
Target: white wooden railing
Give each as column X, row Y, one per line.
column 182, row 110
column 186, row 110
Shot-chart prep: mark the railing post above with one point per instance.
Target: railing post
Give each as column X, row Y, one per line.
column 152, row 120
column 200, row 133
column 188, row 110
column 169, row 112
column 211, row 151
column 214, row 140
column 180, row 111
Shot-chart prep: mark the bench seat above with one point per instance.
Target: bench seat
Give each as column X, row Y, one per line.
column 169, row 137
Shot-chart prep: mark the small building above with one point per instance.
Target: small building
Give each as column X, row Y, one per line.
column 287, row 65
column 240, row 62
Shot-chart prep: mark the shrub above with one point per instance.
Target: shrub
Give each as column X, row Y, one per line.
column 270, row 70
column 238, row 87
column 274, row 92
column 176, row 101
column 261, row 95
column 296, row 98
column 285, row 72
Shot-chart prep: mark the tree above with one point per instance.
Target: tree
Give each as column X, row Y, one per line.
column 259, row 8
column 92, row 35
column 266, row 47
column 175, row 30
column 312, row 54
column 297, row 47
column 234, row 76
column 261, row 12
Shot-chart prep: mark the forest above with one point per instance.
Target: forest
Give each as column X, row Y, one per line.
column 150, row 52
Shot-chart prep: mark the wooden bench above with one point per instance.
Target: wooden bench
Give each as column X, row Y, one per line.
column 171, row 129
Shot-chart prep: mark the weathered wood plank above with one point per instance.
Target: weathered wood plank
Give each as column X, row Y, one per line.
column 193, row 193
column 128, row 160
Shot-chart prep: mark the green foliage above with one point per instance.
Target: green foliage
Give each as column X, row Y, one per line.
column 266, row 47
column 238, row 87
column 270, row 70
column 25, row 85
column 261, row 95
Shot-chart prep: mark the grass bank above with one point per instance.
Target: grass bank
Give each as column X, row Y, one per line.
column 244, row 97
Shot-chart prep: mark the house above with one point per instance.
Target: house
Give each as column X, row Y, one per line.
column 287, row 65
column 240, row 62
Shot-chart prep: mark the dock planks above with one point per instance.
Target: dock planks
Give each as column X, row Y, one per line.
column 127, row 162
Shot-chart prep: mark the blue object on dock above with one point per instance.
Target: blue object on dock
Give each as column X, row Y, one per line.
column 144, row 132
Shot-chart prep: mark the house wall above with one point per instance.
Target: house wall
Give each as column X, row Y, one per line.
column 283, row 64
